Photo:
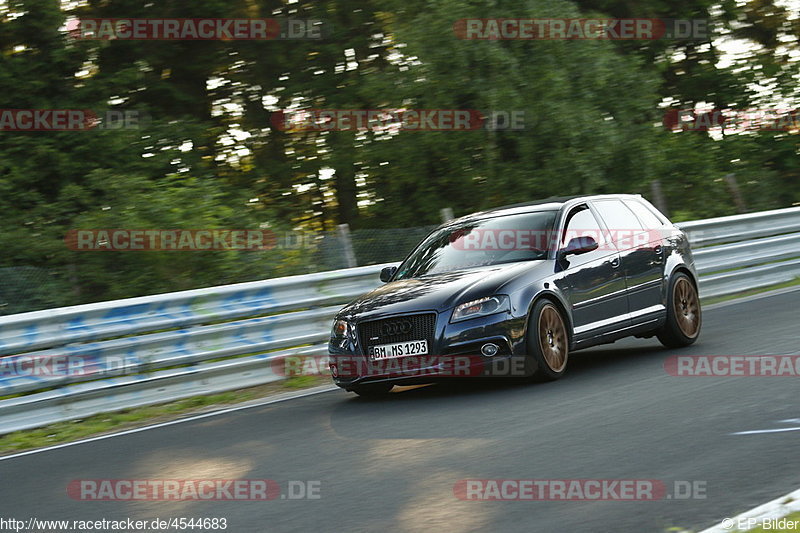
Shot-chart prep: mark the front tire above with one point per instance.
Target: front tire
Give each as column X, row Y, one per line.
column 548, row 342
column 684, row 316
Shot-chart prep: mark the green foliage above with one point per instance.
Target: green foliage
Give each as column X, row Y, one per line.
column 207, row 157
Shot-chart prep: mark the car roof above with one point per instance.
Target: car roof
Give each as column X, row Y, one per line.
column 553, row 203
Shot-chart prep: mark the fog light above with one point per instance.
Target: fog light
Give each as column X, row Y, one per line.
column 334, row 370
column 489, row 349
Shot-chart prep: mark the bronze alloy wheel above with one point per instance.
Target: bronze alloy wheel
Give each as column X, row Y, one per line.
column 553, row 338
column 687, row 307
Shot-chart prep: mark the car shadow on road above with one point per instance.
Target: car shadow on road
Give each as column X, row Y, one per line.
column 583, row 365
column 470, row 408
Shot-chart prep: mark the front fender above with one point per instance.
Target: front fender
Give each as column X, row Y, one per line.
column 523, row 301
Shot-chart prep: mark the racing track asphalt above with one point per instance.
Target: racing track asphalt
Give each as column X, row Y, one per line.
column 391, row 464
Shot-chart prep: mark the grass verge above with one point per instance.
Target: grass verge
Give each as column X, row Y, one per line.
column 104, row 423
column 718, row 299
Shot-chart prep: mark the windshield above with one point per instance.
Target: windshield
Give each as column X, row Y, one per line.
column 488, row 241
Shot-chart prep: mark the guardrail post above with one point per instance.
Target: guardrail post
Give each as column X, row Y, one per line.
column 733, row 187
column 658, row 197
column 347, row 245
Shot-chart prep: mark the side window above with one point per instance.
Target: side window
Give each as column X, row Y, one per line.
column 617, row 216
column 581, row 223
column 648, row 218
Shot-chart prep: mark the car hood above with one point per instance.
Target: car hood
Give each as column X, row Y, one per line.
column 440, row 292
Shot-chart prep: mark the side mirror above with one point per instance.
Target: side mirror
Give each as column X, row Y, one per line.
column 580, row 245
column 387, row 273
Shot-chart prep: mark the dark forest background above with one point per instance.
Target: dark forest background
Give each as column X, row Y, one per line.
column 208, row 158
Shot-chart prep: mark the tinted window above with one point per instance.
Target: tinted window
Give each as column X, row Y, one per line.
column 648, row 218
column 488, row 241
column 582, row 223
column 617, row 216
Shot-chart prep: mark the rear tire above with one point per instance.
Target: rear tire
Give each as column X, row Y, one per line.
column 372, row 390
column 547, row 342
column 684, row 316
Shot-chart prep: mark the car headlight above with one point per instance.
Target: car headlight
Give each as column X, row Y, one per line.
column 339, row 329
column 482, row 307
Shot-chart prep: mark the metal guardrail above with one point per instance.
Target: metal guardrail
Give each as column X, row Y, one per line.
column 82, row 323
column 742, row 252
column 740, row 228
column 748, row 253
column 154, row 349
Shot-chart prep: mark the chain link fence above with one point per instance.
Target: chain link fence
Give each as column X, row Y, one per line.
column 102, row 275
column 26, row 288
column 369, row 246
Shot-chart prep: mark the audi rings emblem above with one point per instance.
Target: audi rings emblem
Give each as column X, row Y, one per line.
column 396, row 327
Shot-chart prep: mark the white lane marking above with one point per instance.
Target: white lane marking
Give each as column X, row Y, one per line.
column 776, row 430
column 266, row 401
column 755, row 431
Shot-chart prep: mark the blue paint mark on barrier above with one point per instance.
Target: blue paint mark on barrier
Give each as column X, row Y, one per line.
column 76, row 323
column 31, row 333
column 126, row 313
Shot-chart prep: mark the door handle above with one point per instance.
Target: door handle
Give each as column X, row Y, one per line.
column 615, row 262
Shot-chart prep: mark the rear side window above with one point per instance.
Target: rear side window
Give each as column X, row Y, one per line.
column 648, row 218
column 617, row 216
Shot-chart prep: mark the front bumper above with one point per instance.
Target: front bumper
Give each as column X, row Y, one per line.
column 454, row 353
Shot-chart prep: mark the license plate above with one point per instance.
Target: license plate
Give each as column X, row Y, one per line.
column 398, row 349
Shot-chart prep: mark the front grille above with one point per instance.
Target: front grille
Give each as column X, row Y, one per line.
column 397, row 329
